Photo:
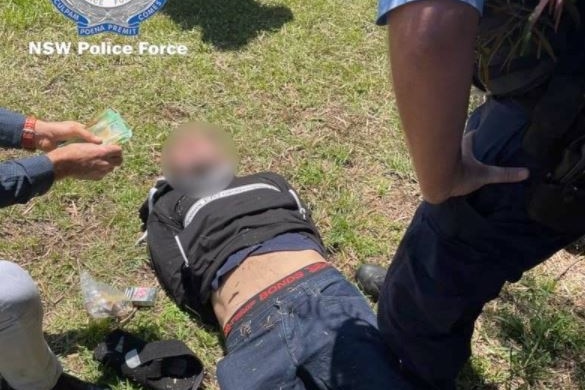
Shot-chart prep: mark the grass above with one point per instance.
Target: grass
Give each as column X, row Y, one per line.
column 303, row 88
column 532, row 337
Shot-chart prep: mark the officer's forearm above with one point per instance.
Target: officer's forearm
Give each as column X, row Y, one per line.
column 431, row 51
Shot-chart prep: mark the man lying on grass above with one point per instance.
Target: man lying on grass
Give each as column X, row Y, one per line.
column 243, row 253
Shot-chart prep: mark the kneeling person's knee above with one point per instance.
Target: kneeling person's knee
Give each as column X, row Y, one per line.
column 19, row 295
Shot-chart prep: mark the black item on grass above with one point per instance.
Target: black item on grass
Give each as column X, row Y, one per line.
column 159, row 365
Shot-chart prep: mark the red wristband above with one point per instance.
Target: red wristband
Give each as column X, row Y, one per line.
column 28, row 140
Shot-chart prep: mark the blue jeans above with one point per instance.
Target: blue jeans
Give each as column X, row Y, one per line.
column 318, row 334
column 456, row 256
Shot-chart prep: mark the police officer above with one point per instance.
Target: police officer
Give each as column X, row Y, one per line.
column 26, row 362
column 474, row 230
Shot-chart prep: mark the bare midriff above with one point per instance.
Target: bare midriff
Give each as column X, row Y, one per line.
column 254, row 275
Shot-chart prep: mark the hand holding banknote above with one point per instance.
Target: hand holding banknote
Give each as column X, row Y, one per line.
column 91, row 152
column 85, row 161
column 50, row 134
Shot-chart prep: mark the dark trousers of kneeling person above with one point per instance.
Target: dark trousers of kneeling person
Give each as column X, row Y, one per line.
column 455, row 257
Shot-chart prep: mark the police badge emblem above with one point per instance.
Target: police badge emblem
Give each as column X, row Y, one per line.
column 116, row 16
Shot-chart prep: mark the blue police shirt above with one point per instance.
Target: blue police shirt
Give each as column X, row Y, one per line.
column 385, row 6
column 20, row 180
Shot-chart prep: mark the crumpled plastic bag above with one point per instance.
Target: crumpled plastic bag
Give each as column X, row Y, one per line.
column 102, row 300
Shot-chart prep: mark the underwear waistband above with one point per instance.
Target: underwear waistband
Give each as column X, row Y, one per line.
column 288, row 281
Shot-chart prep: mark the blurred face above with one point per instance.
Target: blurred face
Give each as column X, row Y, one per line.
column 199, row 160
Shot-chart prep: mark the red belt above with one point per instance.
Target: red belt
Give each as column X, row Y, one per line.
column 271, row 290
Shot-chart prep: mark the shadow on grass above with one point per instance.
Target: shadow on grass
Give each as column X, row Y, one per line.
column 90, row 336
column 228, row 24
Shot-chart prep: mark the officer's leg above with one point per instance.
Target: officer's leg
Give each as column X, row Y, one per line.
column 456, row 256
column 26, row 362
column 428, row 305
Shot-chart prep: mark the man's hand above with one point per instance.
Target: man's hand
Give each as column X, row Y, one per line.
column 473, row 174
column 85, row 161
column 50, row 134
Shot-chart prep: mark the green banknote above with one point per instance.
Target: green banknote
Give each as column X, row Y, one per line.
column 111, row 128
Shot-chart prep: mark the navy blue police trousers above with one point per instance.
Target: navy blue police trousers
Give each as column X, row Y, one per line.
column 456, row 256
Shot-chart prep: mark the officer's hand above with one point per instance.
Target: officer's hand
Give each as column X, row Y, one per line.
column 50, row 134
column 473, row 174
column 85, row 161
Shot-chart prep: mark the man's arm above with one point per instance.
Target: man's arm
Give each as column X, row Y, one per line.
column 47, row 135
column 166, row 257
column 431, row 54
column 20, row 180
column 11, row 126
column 168, row 260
